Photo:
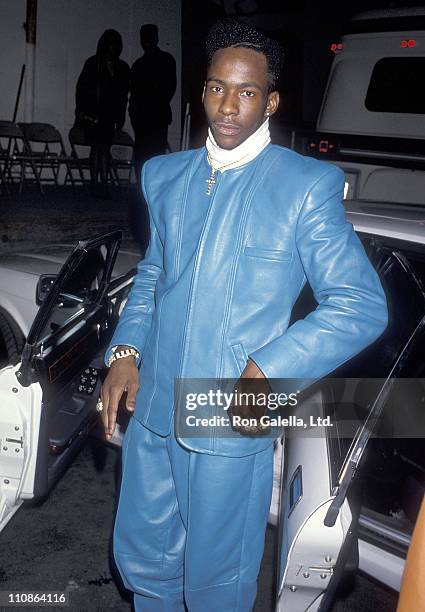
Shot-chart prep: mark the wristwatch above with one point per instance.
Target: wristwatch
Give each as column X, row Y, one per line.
column 120, row 354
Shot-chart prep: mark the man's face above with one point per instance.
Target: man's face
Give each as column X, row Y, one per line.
column 148, row 40
column 236, row 98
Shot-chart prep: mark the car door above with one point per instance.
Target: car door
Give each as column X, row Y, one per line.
column 320, row 501
column 48, row 400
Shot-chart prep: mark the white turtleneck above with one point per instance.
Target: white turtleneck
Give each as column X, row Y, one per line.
column 225, row 159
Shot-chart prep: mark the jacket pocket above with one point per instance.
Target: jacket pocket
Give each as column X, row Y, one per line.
column 240, row 356
column 271, row 254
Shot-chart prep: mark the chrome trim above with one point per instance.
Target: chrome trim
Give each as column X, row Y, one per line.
column 380, row 154
column 387, row 532
column 116, row 289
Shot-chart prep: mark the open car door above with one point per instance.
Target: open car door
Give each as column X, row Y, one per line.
column 320, row 503
column 48, row 400
column 19, row 433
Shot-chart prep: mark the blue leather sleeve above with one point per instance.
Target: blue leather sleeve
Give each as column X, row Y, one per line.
column 352, row 309
column 136, row 317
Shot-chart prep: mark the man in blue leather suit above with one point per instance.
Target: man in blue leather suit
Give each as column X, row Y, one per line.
column 237, row 228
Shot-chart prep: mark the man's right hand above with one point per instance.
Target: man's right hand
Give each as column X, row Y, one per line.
column 123, row 376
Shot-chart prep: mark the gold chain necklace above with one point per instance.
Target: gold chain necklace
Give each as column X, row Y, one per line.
column 211, row 180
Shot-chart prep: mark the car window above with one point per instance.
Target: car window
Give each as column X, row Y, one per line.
column 80, row 289
column 396, row 87
column 401, row 271
column 406, row 306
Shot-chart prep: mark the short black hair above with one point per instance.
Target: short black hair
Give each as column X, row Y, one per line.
column 149, row 29
column 230, row 32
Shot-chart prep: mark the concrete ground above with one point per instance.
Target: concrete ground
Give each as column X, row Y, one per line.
column 62, row 215
column 65, row 543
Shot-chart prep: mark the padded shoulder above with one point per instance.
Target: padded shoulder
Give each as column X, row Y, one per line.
column 168, row 167
column 309, row 168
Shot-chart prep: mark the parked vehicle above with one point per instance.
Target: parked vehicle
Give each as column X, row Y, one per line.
column 48, row 397
column 19, row 275
column 371, row 122
column 356, row 503
column 351, row 501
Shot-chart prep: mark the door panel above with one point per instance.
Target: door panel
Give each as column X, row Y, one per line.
column 307, row 552
column 319, row 474
column 19, row 435
column 64, row 352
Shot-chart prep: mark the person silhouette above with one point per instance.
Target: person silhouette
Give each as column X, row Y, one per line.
column 101, row 103
column 152, row 86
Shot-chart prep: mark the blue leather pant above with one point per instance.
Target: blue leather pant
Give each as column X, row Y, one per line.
column 190, row 527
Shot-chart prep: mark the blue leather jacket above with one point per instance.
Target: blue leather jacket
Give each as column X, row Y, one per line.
column 200, row 309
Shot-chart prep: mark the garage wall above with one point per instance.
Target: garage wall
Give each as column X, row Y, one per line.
column 12, row 53
column 67, row 33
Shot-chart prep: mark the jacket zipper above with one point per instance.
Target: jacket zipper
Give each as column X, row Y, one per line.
column 241, row 229
column 193, row 280
column 194, row 273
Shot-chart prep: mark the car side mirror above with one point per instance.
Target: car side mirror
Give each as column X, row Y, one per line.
column 44, row 285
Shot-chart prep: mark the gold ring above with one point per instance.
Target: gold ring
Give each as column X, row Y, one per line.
column 99, row 405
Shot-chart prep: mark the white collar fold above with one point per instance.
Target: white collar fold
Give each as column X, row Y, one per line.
column 225, row 159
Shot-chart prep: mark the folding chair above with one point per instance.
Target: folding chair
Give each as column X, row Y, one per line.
column 77, row 139
column 48, row 152
column 3, row 182
column 14, row 153
column 121, row 160
column 122, row 157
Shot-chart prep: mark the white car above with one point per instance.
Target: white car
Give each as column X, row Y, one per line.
column 19, row 276
column 350, row 494
column 48, row 394
column 327, row 528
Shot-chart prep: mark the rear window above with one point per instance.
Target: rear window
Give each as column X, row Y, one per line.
column 396, row 86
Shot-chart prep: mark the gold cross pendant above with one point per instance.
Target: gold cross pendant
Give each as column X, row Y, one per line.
column 211, row 181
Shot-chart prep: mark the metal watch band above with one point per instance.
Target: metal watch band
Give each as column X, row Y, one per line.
column 128, row 352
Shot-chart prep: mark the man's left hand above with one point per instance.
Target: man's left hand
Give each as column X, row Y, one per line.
column 253, row 384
